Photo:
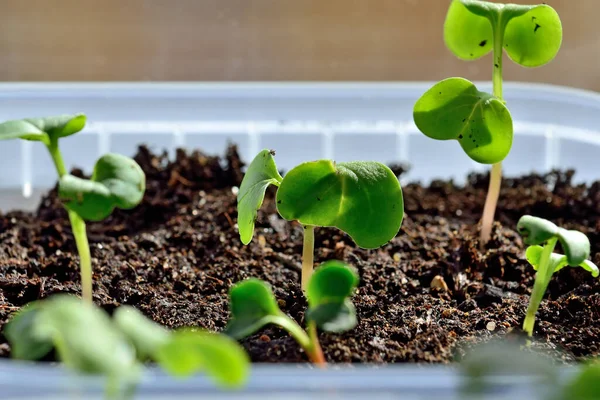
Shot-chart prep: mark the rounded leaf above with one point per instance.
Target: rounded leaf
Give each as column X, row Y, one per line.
column 534, row 254
column 455, row 109
column 42, row 129
column 188, row 352
column 536, row 230
column 146, row 335
column 467, row 34
column 585, row 385
column 252, row 306
column 575, row 245
column 363, row 199
column 26, row 342
column 117, row 181
column 328, row 294
column 261, row 173
column 85, row 338
column 590, row 267
column 533, row 38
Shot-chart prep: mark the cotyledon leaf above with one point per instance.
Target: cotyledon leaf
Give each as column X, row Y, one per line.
column 261, row 173
column 42, row 129
column 455, row 109
column 362, row 198
column 117, row 182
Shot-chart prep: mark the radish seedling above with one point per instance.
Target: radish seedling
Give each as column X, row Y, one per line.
column 455, row 109
column 576, row 246
column 88, row 341
column 117, row 181
column 253, row 306
column 363, row 199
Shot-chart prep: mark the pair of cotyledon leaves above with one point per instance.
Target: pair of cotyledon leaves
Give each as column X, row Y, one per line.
column 253, row 304
column 576, row 246
column 117, row 181
column 87, row 340
column 454, row 109
column 363, row 199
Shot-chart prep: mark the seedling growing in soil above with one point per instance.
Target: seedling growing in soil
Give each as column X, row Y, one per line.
column 88, row 341
column 117, row 181
column 363, row 199
column 253, row 306
column 542, row 236
column 479, row 121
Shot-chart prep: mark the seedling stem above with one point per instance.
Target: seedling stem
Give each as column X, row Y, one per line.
column 539, row 286
column 491, row 200
column 308, row 254
column 78, row 227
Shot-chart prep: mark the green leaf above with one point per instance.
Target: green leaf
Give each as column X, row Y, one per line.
column 455, row 109
column 85, row 338
column 532, row 34
column 261, row 173
column 590, row 267
column 585, row 385
column 557, row 261
column 42, row 129
column 21, row 332
column 575, row 245
column 146, row 335
column 468, row 34
column 534, row 254
column 363, row 199
column 253, row 306
column 117, row 182
column 191, row 351
column 536, row 230
column 533, row 38
column 328, row 294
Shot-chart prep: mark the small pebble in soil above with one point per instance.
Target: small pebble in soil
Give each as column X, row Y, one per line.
column 438, row 283
column 491, row 326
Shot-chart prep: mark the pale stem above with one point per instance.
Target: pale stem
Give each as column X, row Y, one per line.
column 78, row 227
column 308, row 250
column 542, row 279
column 491, row 200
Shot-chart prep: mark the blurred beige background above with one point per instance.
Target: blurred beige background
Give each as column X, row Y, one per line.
column 266, row 40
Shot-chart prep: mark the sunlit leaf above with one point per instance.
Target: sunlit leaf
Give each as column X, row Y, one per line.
column 261, row 173
column 454, row 109
column 117, row 182
column 363, row 199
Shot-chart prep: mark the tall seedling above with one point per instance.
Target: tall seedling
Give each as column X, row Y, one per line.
column 479, row 121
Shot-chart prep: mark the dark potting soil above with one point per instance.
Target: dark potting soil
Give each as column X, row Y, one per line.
column 427, row 293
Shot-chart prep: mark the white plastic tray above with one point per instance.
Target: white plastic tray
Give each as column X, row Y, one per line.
column 554, row 127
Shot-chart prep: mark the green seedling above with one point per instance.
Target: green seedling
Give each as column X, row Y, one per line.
column 88, row 341
column 454, row 109
column 363, row 199
column 253, row 306
column 542, row 236
column 117, row 181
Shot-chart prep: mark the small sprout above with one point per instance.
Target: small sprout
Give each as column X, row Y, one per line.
column 117, row 181
column 363, row 199
column 253, row 306
column 88, row 341
column 538, row 231
column 464, row 113
column 532, row 36
column 81, row 333
column 261, row 173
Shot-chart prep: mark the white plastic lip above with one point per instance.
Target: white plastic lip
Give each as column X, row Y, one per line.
column 365, row 90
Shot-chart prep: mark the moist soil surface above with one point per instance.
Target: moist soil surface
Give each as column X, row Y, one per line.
column 429, row 292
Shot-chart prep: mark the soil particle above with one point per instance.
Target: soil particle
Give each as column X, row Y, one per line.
column 422, row 297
